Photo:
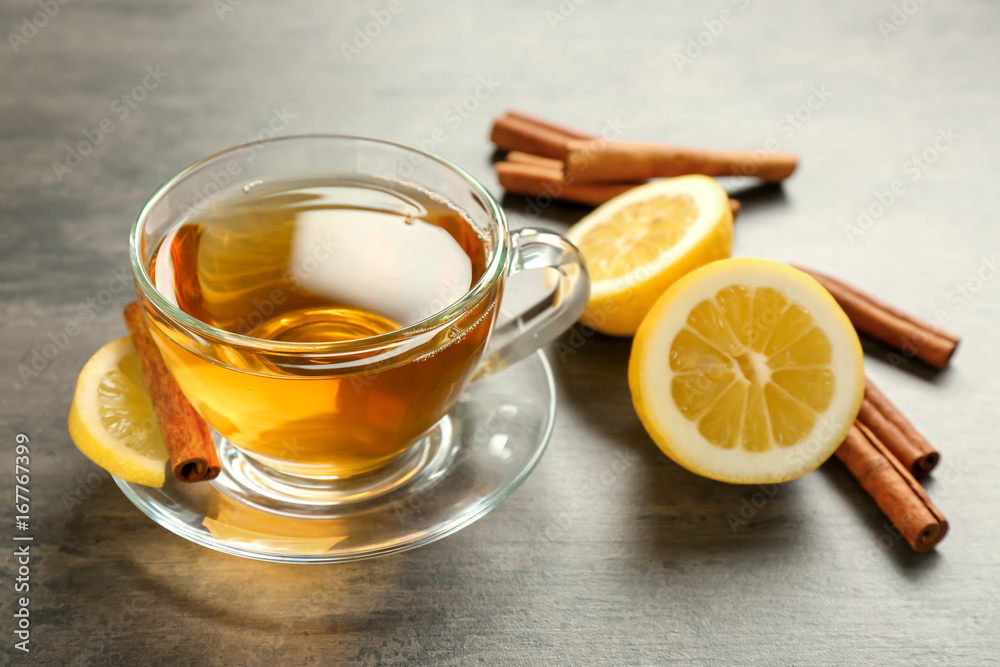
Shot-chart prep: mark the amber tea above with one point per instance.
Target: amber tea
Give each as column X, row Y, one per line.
column 324, row 262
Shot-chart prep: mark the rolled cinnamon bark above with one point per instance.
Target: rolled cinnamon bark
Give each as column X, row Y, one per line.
column 896, row 432
column 538, row 180
column 514, row 133
column 894, row 489
column 552, row 165
column 534, row 175
column 600, row 160
column 185, row 434
column 875, row 318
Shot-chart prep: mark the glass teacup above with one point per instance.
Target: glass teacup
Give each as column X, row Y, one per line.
column 323, row 301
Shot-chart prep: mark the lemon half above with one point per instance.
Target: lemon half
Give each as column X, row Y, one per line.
column 641, row 242
column 747, row 371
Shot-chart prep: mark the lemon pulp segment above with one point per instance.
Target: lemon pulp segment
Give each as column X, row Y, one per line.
column 751, row 369
column 642, row 241
column 636, row 234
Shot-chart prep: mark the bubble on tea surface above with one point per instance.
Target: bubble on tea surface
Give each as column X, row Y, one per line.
column 251, row 185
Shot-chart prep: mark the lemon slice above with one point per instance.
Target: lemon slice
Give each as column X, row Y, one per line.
column 111, row 419
column 747, row 371
column 641, row 242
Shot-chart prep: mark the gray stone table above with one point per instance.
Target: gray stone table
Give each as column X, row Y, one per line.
column 589, row 562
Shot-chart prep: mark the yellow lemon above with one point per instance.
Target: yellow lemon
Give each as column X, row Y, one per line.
column 111, row 418
column 747, row 371
column 641, row 242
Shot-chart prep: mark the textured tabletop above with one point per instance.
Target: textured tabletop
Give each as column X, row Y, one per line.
column 609, row 553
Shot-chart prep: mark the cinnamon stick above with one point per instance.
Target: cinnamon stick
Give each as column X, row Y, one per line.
column 896, row 492
column 185, row 434
column 875, row 318
column 590, row 158
column 539, row 180
column 534, row 175
column 515, row 133
column 602, row 160
column 896, row 432
column 551, row 164
column 539, row 143
column 522, row 132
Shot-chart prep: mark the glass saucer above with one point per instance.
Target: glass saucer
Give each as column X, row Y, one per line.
column 471, row 460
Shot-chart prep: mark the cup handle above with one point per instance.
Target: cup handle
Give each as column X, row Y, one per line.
column 539, row 325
